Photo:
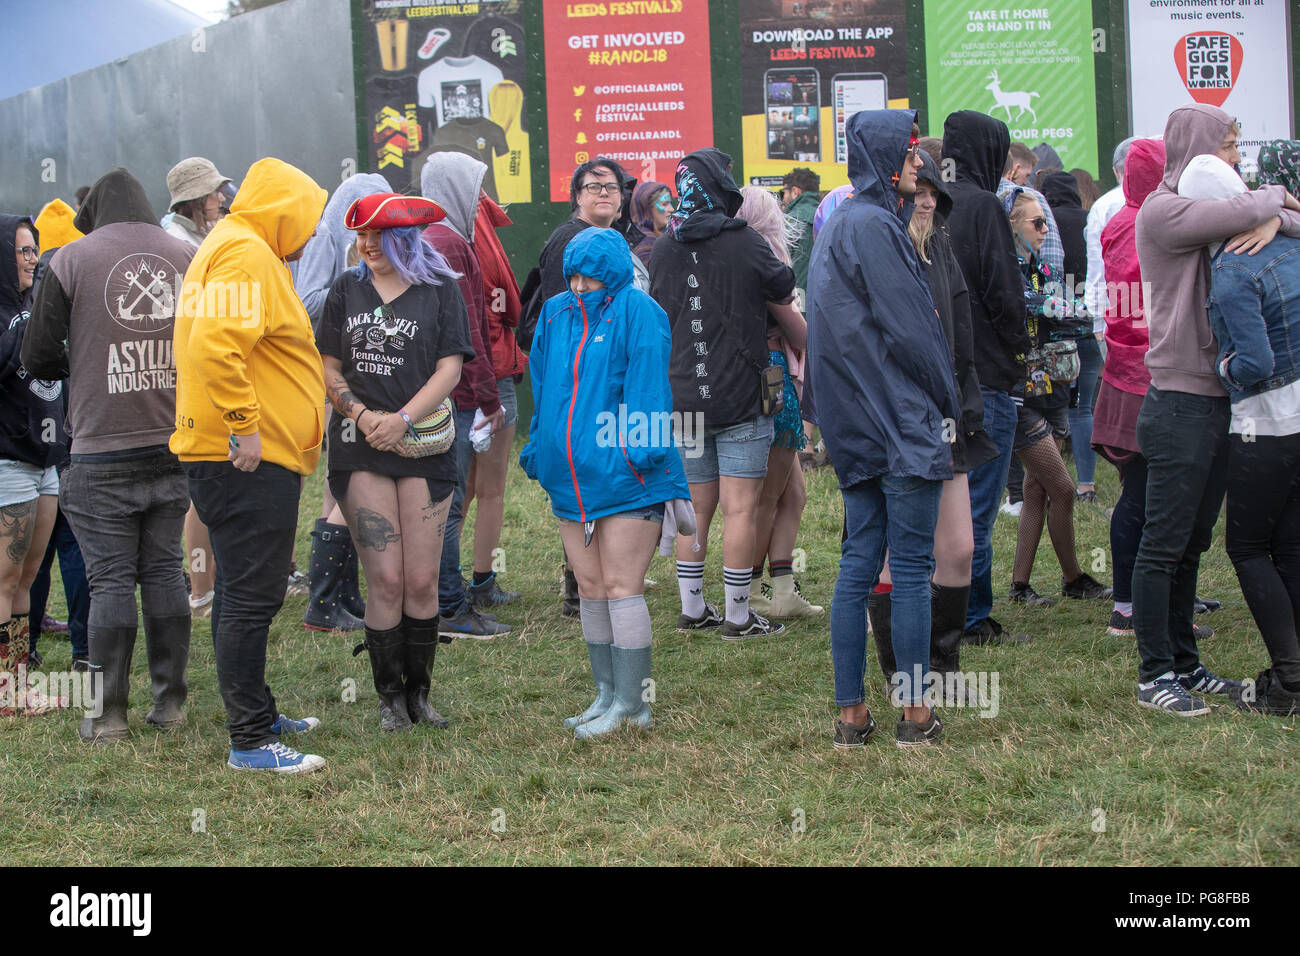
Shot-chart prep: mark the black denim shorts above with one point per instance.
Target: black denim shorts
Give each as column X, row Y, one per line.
column 1035, row 424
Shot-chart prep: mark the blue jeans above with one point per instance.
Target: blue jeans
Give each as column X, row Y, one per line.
column 451, row 586
column 72, row 569
column 1085, row 459
column 900, row 512
column 986, row 482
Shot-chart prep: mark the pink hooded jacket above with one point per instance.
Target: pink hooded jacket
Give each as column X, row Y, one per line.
column 1126, row 327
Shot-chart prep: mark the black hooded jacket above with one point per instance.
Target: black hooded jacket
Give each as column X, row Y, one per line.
column 714, row 277
column 1062, row 193
column 31, row 410
column 981, row 238
column 952, row 301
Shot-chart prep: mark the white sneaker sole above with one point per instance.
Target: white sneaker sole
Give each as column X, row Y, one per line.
column 309, row 763
column 1176, row 713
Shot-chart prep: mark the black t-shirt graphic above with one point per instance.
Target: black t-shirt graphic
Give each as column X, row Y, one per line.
column 387, row 358
column 715, row 292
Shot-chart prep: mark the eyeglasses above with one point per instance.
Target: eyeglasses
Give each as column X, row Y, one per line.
column 30, row 253
column 1039, row 223
column 595, row 189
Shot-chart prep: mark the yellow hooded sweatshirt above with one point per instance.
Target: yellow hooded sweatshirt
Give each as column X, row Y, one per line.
column 55, row 225
column 246, row 359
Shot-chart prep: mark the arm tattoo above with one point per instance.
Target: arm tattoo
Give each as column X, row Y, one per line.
column 18, row 524
column 374, row 531
column 341, row 395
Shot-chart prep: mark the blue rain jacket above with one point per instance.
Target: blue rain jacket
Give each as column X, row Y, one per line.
column 601, row 438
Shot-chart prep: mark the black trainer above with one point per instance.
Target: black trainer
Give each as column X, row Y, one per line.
column 848, row 736
column 1023, row 593
column 489, row 594
column 754, row 627
column 471, row 624
column 1207, row 605
column 711, row 617
column 1085, row 587
column 911, row 734
column 1264, row 695
column 1121, row 625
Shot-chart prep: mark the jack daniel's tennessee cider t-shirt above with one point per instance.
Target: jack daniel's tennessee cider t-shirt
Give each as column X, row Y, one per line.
column 389, row 351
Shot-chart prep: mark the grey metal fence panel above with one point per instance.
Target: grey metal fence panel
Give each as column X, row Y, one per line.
column 275, row 82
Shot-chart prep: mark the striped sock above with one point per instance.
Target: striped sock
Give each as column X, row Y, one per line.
column 758, row 572
column 690, row 585
column 737, row 587
column 782, row 568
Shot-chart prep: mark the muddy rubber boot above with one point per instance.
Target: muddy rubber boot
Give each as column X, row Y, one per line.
column 421, row 649
column 880, row 608
column 947, row 625
column 387, row 661
column 110, row 661
column 330, row 544
column 167, row 640
column 570, row 606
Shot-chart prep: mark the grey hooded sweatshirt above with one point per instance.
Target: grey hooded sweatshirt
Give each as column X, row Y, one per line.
column 1172, row 233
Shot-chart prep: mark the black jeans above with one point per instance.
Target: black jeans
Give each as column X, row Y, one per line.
column 251, row 518
column 1184, row 439
column 1126, row 525
column 1264, row 540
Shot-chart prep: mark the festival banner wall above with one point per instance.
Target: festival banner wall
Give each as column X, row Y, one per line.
column 631, row 81
column 806, row 67
column 1029, row 66
column 448, row 76
column 1232, row 54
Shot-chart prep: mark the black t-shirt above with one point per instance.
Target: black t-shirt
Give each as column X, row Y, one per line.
column 387, row 359
column 715, row 292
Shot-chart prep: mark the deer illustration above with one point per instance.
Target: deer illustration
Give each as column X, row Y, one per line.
column 1019, row 99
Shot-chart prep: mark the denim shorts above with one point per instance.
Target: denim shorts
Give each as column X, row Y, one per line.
column 1033, row 425
column 22, row 482
column 737, row 451
column 509, row 400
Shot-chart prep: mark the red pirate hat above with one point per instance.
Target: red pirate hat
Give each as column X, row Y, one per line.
column 390, row 210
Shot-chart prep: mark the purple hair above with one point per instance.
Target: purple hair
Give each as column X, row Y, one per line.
column 417, row 262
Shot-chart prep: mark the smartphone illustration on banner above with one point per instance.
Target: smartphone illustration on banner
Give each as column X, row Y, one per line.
column 793, row 103
column 852, row 92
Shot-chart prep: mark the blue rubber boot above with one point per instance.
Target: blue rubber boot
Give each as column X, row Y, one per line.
column 631, row 675
column 602, row 668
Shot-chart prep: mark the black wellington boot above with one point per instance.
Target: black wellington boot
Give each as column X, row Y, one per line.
column 350, row 593
column 880, row 607
column 110, row 661
column 330, row 544
column 387, row 661
column 167, row 640
column 421, row 648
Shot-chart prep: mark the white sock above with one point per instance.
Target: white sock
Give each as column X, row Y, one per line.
column 737, row 586
column 690, row 585
column 1167, row 675
column 1124, row 607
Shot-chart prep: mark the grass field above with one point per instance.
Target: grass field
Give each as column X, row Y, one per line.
column 739, row 768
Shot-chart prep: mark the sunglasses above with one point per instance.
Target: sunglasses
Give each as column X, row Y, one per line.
column 1039, row 223
column 30, row 253
column 595, row 189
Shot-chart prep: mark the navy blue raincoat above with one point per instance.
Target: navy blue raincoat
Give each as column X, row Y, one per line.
column 877, row 355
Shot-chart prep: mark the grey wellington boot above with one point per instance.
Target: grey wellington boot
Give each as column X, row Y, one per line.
column 602, row 668
column 631, row 671
column 110, row 662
